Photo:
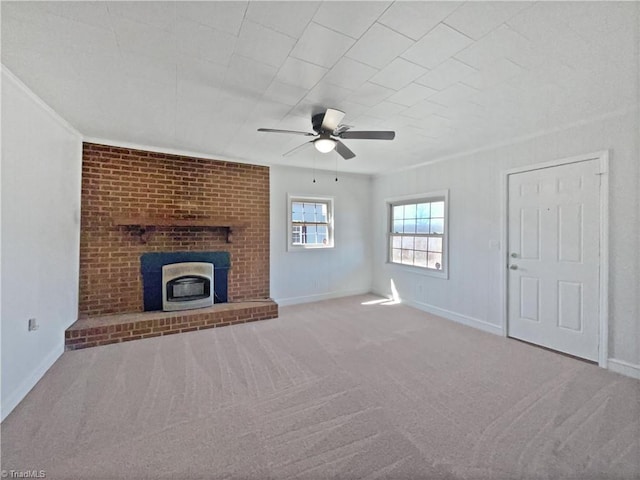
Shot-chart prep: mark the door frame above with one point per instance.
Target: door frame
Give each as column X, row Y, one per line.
column 603, row 302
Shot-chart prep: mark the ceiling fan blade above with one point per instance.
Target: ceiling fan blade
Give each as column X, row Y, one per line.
column 298, row 148
column 369, row 135
column 344, row 151
column 273, row 130
column 341, row 129
column 332, row 119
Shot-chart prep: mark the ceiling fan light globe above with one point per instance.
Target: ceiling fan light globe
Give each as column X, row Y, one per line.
column 324, row 145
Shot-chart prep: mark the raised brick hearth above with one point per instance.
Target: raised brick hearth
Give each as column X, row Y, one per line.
column 104, row 330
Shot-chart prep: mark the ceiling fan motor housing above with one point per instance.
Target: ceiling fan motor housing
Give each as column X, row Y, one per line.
column 316, row 122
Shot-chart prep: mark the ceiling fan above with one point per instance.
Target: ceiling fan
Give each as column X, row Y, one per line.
column 327, row 127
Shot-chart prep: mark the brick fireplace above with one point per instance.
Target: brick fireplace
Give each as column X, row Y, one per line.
column 136, row 201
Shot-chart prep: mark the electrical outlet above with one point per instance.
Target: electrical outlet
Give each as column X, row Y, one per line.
column 33, row 324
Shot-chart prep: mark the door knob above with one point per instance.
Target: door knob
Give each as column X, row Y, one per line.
column 513, row 267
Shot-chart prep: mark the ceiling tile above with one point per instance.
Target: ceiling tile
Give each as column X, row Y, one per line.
column 26, row 39
column 415, row 19
column 530, row 56
column 290, row 18
column 348, row 73
column 266, row 114
column 156, row 14
column 501, row 42
column 385, row 110
column 494, row 74
column 300, row 73
column 327, row 95
column 399, row 73
column 248, row 78
column 352, row 110
column 350, row 18
column 596, row 19
column 147, row 68
column 321, row 46
column 434, row 122
column 453, row 94
column 283, row 93
column 91, row 13
column 399, row 121
column 378, row 46
column 437, row 46
column 542, row 20
column 144, row 40
column 35, row 13
column 411, row 94
column 295, row 122
column 476, row 19
column 197, row 97
column 233, row 109
column 367, row 122
column 263, row 44
column 370, row 94
column 200, row 72
column 224, row 16
column 199, row 41
column 76, row 36
column 446, row 74
column 423, row 109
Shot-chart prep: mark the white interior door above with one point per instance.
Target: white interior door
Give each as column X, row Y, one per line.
column 553, row 248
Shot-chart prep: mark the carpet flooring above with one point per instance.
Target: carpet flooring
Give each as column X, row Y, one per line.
column 341, row 389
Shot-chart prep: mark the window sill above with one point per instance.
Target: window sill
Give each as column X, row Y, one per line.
column 299, row 248
column 443, row 274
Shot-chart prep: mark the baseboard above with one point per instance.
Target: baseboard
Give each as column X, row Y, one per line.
column 624, row 368
column 12, row 400
column 283, row 302
column 456, row 317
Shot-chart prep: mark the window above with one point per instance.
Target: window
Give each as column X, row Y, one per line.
column 310, row 222
column 417, row 232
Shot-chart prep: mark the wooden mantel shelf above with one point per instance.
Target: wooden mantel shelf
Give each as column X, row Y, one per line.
column 145, row 224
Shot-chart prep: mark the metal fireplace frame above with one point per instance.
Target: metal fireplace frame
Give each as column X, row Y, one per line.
column 183, row 274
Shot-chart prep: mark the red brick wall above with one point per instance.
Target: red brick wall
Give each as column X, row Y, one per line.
column 122, row 181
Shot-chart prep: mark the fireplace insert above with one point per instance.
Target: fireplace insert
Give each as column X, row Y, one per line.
column 187, row 285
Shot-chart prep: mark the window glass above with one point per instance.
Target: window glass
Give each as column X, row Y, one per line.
column 423, row 225
column 311, row 223
column 437, row 225
column 437, row 209
column 423, row 210
column 296, row 212
column 417, row 231
column 410, row 211
column 435, row 244
column 409, row 225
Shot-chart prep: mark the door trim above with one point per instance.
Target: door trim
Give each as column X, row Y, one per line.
column 603, row 158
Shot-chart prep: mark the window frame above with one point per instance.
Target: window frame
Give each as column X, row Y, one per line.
column 440, row 195
column 329, row 201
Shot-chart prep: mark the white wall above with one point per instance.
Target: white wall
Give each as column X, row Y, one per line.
column 41, row 168
column 472, row 294
column 310, row 275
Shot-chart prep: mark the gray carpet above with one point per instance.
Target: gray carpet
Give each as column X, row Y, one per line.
column 333, row 389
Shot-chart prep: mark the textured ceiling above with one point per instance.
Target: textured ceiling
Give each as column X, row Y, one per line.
column 448, row 77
